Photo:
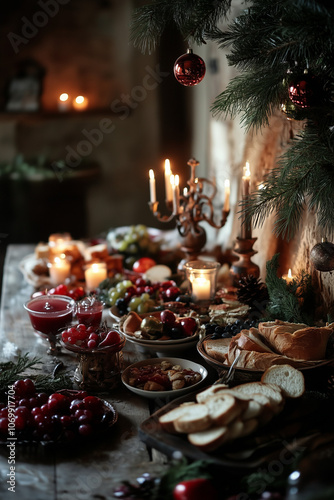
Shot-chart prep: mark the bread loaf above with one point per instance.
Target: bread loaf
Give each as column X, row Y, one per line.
column 307, row 343
column 217, row 348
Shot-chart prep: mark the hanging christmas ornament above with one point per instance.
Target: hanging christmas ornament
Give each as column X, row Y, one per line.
column 304, row 90
column 291, row 111
column 322, row 256
column 189, row 69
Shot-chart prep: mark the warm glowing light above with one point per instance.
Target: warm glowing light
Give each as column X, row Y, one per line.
column 185, row 191
column 247, row 172
column 153, row 196
column 80, row 103
column 63, row 97
column 167, row 167
column 176, row 180
column 290, row 274
column 151, row 174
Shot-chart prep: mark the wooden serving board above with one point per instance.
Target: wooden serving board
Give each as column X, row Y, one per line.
column 305, row 423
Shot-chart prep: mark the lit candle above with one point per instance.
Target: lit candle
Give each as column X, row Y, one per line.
column 59, row 270
column 176, row 194
column 95, row 274
column 226, row 207
column 246, row 229
column 80, row 103
column 168, row 184
column 288, row 277
column 153, row 196
column 63, row 102
column 185, row 192
column 246, row 180
column 201, row 288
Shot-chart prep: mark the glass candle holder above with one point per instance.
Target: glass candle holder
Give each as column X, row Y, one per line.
column 94, row 274
column 202, row 276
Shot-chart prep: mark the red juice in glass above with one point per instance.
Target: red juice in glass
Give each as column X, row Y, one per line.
column 48, row 314
column 89, row 312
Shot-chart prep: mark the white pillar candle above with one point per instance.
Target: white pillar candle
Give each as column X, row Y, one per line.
column 201, row 288
column 168, row 185
column 59, row 270
column 246, row 229
column 176, row 194
column 153, row 197
column 95, row 274
column 63, row 103
column 227, row 196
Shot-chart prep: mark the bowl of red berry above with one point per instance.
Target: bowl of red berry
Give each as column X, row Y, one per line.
column 99, row 351
column 60, row 418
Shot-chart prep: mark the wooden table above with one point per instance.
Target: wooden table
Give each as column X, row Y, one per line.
column 88, row 473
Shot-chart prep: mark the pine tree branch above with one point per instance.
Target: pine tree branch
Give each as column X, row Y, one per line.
column 193, row 18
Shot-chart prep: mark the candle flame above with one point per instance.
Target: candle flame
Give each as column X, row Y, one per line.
column 185, row 191
column 167, row 167
column 247, row 172
column 176, row 180
column 79, row 99
column 151, row 173
column 227, row 184
column 290, row 274
column 172, row 180
column 63, row 97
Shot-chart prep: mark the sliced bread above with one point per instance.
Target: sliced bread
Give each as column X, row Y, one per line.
column 210, row 439
column 290, row 380
column 224, row 408
column 194, row 418
column 273, row 393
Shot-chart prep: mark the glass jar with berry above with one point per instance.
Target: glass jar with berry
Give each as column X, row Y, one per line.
column 100, row 356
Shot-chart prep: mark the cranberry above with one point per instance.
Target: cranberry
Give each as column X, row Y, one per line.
column 93, row 403
column 140, row 282
column 66, row 420
column 167, row 317
column 20, row 422
column 22, row 411
column 172, row 292
column 42, row 398
column 4, row 425
column 91, row 344
column 61, row 290
column 36, row 411
column 58, row 402
column 85, row 430
column 77, row 404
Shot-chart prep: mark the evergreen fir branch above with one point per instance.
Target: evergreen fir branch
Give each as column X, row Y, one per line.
column 193, row 18
column 289, row 302
column 255, row 96
column 289, row 188
column 11, row 371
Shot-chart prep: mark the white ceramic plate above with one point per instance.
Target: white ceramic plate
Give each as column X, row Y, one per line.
column 184, row 363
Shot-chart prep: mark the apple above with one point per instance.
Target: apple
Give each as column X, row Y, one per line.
column 143, row 264
column 188, row 325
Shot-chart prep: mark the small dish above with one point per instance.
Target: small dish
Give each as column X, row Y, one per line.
column 184, row 363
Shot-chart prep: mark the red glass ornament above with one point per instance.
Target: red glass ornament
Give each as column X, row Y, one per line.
column 303, row 91
column 189, row 69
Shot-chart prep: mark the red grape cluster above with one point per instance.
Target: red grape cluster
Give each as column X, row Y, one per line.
column 76, row 293
column 62, row 416
column 141, row 295
column 91, row 337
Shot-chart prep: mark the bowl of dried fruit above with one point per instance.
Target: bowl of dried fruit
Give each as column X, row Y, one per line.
column 164, row 377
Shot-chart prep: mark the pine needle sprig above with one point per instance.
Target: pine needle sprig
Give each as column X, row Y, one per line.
column 193, row 18
column 289, row 187
column 255, row 96
column 11, row 371
column 292, row 302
